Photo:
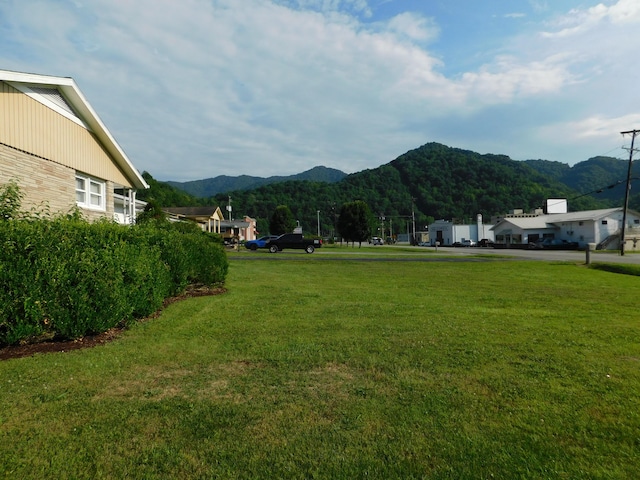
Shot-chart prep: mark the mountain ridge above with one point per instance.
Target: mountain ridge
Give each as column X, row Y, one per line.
column 433, row 181
column 209, row 187
column 600, row 175
column 430, row 182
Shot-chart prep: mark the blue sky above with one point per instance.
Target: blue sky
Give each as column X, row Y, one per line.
column 193, row 89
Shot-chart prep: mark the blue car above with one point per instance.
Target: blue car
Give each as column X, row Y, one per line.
column 259, row 243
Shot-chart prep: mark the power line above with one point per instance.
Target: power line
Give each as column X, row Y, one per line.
column 602, row 189
column 607, row 153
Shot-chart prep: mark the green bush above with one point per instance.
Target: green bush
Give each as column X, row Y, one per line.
column 192, row 256
column 22, row 308
column 66, row 277
column 207, row 260
column 10, row 200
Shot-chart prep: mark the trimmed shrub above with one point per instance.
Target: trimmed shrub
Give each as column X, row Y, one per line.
column 209, row 264
column 21, row 308
column 66, row 278
column 192, row 256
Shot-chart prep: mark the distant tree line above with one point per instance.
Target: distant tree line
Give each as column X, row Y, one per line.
column 428, row 183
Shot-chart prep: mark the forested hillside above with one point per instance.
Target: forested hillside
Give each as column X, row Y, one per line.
column 165, row 195
column 432, row 182
column 453, row 183
column 603, row 177
column 223, row 183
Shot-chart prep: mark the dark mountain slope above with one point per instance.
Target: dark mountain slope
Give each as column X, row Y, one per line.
column 555, row 170
column 433, row 181
column 453, row 183
column 592, row 176
column 212, row 186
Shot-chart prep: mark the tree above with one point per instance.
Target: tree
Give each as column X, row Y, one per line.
column 152, row 213
column 282, row 221
column 166, row 195
column 354, row 223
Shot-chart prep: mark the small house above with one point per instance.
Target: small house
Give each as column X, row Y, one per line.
column 208, row 218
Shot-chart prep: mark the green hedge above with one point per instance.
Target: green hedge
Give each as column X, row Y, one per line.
column 65, row 277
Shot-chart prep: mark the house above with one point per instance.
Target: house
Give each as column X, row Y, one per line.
column 211, row 219
column 60, row 153
column 208, row 218
column 241, row 230
column 447, row 233
column 600, row 227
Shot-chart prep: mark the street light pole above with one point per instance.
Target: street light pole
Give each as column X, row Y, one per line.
column 318, row 222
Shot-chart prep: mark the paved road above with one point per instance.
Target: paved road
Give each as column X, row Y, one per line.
column 448, row 254
column 548, row 255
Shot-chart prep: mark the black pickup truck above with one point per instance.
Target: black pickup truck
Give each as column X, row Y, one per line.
column 293, row 240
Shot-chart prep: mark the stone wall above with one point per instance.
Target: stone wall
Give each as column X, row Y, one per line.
column 47, row 186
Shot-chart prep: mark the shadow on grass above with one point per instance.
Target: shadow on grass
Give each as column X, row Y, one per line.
column 617, row 268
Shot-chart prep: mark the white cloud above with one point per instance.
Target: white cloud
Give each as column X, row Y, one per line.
column 507, row 79
column 295, row 79
column 199, row 88
column 415, row 27
column 539, row 5
column 356, row 6
column 579, row 21
column 595, row 127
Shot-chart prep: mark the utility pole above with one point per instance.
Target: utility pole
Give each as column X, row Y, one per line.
column 633, row 134
column 413, row 220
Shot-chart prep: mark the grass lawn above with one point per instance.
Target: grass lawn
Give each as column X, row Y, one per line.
column 313, row 367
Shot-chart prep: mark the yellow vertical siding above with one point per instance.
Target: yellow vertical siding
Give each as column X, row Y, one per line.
column 28, row 125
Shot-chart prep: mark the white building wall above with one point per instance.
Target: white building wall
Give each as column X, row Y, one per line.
column 594, row 231
column 572, row 231
column 465, row 232
column 458, row 233
column 611, row 227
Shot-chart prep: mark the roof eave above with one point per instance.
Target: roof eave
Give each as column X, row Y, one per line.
column 74, row 96
column 88, row 114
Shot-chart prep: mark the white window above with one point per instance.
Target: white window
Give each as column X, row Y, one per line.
column 90, row 192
